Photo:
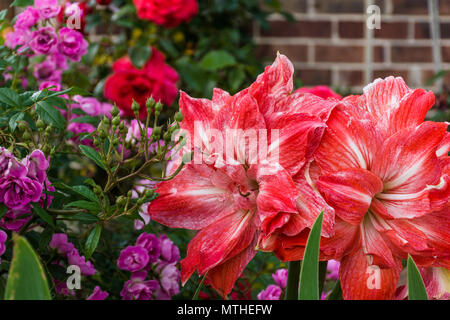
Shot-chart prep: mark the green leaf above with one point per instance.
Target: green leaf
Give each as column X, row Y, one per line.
column 9, row 97
column 85, row 192
column 416, row 287
column 50, row 115
column 83, row 204
column 43, row 214
column 86, row 119
column 309, row 274
column 26, row 278
column 218, row 59
column 3, row 210
column 22, row 3
column 3, row 14
column 92, row 154
column 139, row 55
column 13, row 121
column 92, row 241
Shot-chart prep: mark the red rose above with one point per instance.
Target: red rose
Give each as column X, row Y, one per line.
column 168, row 13
column 104, row 2
column 155, row 79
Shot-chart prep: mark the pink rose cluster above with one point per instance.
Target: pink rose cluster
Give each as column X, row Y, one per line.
column 22, row 183
column 65, row 248
column 275, row 291
column 33, row 30
column 152, row 262
column 91, row 107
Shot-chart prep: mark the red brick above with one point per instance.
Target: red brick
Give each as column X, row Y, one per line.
column 296, row 53
column 444, row 7
column 411, row 54
column 446, row 54
column 422, row 30
column 349, row 78
column 378, row 54
column 410, row 7
column 339, row 54
column 351, row 29
column 383, row 73
column 304, row 28
column 392, row 30
column 341, row 6
column 314, row 77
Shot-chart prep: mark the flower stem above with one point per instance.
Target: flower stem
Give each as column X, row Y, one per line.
column 293, row 280
column 200, row 285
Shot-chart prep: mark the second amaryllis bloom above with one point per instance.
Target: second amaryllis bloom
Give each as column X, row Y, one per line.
column 240, row 187
column 386, row 173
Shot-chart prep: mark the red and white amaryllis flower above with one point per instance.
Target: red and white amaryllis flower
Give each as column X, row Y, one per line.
column 386, row 173
column 251, row 146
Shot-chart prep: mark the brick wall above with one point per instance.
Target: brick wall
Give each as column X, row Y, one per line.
column 327, row 41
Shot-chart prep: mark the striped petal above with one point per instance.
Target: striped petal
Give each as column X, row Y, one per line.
column 350, row 192
column 196, row 197
column 363, row 281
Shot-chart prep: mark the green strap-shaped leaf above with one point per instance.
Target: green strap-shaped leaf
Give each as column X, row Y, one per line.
column 26, row 278
column 416, row 287
column 92, row 241
column 43, row 214
column 309, row 274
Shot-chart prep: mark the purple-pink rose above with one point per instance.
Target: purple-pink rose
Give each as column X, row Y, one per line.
column 18, row 38
column 3, row 237
column 72, row 44
column 280, row 277
column 86, row 267
column 98, row 294
column 37, row 165
column 333, row 270
column 47, row 71
column 14, row 220
column 50, row 84
column 92, row 106
column 17, row 192
column 272, row 292
column 133, row 258
column 47, row 8
column 169, row 282
column 43, row 40
column 137, row 288
column 169, row 251
column 150, row 243
column 60, row 243
column 26, row 19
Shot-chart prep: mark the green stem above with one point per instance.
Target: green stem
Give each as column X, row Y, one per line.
column 200, row 285
column 322, row 275
column 293, row 280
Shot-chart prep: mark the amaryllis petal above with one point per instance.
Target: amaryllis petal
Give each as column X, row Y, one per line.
column 444, row 146
column 350, row 140
column 275, row 83
column 382, row 97
column 373, row 245
column 362, row 281
column 408, row 166
column 350, row 192
column 197, row 117
column 276, row 198
column 411, row 111
column 297, row 138
column 306, row 103
column 223, row 277
column 195, row 198
column 309, row 205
